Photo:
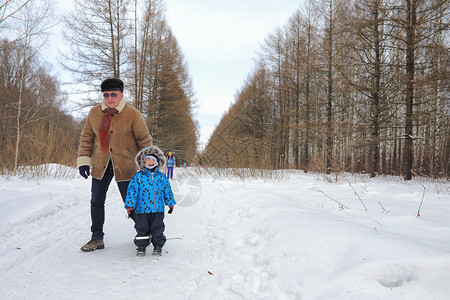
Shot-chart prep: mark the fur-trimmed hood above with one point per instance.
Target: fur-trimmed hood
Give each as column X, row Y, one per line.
column 151, row 150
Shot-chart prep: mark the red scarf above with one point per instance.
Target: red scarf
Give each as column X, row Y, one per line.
column 105, row 126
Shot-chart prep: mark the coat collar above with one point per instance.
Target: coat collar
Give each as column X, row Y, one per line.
column 148, row 171
column 119, row 107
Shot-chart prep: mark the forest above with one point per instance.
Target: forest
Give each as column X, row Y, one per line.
column 346, row 86
column 130, row 40
column 343, row 86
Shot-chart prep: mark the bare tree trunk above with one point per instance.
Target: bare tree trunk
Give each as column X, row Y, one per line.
column 19, row 105
column 137, row 103
column 376, row 97
column 329, row 130
column 113, row 44
column 296, row 133
column 408, row 150
column 306, row 156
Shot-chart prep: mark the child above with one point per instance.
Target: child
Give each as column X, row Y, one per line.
column 171, row 162
column 148, row 192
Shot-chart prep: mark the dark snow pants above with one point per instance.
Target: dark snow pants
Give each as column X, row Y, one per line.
column 148, row 226
column 98, row 197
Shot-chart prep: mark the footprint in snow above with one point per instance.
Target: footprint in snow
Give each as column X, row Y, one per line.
column 396, row 275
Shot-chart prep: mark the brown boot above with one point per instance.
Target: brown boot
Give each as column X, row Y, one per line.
column 92, row 245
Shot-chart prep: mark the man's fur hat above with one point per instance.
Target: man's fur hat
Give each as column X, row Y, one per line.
column 152, row 150
column 112, row 84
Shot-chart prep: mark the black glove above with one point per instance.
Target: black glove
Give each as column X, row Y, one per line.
column 84, row 171
column 170, row 209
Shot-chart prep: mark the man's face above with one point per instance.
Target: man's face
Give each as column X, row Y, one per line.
column 112, row 99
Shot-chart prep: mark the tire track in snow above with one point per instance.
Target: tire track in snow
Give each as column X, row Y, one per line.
column 27, row 239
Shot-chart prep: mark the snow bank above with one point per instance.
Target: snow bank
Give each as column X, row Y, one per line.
column 233, row 239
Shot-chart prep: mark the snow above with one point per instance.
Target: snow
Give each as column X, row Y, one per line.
column 287, row 238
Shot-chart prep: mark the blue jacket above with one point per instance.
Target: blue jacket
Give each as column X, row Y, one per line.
column 171, row 161
column 148, row 192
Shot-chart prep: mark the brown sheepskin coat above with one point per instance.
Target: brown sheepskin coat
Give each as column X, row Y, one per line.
column 129, row 134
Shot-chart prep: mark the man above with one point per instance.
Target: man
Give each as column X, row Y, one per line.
column 112, row 136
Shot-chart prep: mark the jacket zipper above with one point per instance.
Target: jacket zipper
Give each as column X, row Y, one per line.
column 154, row 197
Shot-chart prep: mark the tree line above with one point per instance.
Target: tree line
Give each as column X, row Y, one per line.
column 34, row 129
column 130, row 40
column 345, row 85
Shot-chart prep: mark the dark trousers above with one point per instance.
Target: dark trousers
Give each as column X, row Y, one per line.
column 148, row 226
column 98, row 197
column 170, row 172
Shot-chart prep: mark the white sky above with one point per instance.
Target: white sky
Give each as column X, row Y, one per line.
column 219, row 40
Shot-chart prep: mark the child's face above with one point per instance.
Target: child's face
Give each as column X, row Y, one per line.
column 149, row 162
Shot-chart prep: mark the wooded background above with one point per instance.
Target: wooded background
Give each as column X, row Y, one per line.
column 130, row 40
column 345, row 85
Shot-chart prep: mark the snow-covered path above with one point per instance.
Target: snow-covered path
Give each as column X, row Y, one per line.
column 241, row 240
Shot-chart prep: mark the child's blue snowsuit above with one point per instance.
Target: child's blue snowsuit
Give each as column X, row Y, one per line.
column 148, row 193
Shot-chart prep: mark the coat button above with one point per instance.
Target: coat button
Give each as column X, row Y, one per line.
column 111, row 131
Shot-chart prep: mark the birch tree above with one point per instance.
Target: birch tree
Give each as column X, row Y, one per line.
column 31, row 23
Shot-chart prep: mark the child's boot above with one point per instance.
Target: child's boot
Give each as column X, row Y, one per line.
column 157, row 251
column 140, row 252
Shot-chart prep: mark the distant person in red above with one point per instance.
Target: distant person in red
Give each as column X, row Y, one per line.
column 171, row 162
